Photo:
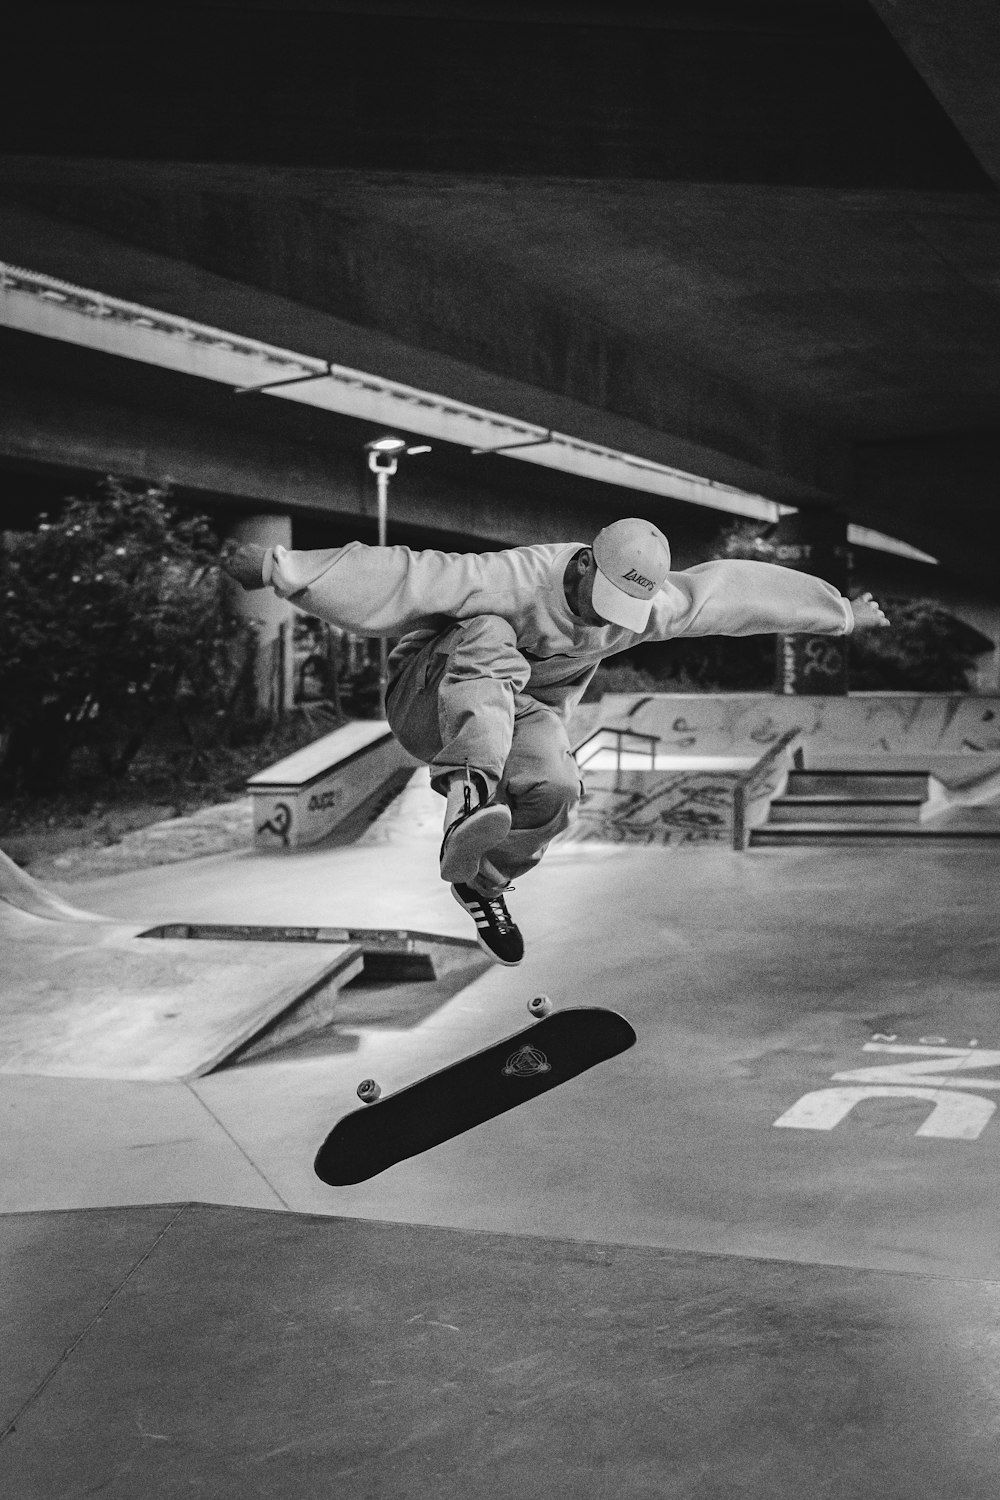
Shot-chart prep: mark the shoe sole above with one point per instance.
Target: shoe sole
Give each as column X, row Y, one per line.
column 508, row 963
column 468, row 841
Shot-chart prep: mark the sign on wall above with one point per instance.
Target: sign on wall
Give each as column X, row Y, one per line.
column 811, row 542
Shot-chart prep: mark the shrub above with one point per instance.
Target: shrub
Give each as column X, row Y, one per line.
column 109, row 615
column 924, row 650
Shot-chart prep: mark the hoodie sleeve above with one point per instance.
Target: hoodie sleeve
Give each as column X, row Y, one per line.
column 730, row 597
column 390, row 590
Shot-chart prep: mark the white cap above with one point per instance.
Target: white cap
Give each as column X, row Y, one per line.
column 633, row 560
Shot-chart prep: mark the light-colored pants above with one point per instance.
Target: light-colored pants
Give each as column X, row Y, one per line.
column 459, row 700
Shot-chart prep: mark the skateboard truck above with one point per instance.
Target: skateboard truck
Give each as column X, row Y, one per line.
column 369, row 1092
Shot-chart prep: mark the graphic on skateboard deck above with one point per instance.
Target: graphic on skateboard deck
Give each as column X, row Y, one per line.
column 558, row 1046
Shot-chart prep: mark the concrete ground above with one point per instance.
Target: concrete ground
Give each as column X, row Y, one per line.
column 715, row 1266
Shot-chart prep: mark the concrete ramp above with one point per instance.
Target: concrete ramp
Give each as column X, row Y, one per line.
column 18, row 889
column 194, row 1350
column 84, row 997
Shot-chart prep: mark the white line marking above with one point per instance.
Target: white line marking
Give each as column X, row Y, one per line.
column 959, row 1117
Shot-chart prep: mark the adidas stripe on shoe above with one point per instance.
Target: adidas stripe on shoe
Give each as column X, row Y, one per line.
column 497, row 932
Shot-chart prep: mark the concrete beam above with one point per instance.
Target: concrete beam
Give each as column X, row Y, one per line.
column 956, row 50
column 51, row 428
column 550, row 364
column 242, row 467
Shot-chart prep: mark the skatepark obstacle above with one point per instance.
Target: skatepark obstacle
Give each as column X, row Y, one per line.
column 304, row 797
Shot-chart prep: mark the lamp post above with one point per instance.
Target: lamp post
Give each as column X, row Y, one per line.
column 383, row 460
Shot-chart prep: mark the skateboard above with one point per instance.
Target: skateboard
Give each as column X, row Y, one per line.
column 556, row 1047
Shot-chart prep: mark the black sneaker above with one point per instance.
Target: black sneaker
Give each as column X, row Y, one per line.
column 498, row 933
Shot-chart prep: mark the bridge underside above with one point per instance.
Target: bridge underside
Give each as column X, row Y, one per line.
column 760, row 243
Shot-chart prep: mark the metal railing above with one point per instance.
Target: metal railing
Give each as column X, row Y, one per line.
column 743, row 791
column 598, row 741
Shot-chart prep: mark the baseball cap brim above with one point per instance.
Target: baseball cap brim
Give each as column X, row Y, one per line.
column 614, row 604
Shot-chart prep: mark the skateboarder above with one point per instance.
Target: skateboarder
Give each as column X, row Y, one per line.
column 497, row 649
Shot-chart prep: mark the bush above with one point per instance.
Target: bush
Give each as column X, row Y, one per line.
column 925, row 650
column 109, row 615
column 708, row 664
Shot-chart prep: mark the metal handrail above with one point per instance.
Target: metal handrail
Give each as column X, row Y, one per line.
column 744, row 783
column 652, row 743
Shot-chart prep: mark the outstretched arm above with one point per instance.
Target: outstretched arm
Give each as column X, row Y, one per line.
column 379, row 590
column 371, row 590
column 732, row 597
column 365, row 595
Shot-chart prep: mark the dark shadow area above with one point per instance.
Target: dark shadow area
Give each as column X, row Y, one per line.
column 364, row 1003
column 772, row 92
column 240, row 1353
column 405, row 979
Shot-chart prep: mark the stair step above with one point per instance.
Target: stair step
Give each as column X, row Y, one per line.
column 864, row 833
column 841, row 809
column 860, row 783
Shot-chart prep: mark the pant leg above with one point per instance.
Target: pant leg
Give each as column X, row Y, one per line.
column 541, row 786
column 452, row 703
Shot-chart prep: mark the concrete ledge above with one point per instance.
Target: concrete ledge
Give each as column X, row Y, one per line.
column 885, row 727
column 97, row 1001
column 303, row 798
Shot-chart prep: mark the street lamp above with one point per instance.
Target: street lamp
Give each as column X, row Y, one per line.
column 384, row 454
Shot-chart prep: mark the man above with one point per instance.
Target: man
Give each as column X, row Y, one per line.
column 497, row 649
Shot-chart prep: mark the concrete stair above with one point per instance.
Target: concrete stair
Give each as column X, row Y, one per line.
column 858, row 807
column 877, row 785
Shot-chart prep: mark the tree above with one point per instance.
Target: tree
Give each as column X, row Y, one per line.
column 109, row 615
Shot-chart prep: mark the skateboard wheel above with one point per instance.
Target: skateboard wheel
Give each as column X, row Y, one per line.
column 368, row 1091
column 540, row 1006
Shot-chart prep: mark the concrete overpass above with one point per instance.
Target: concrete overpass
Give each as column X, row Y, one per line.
column 759, row 243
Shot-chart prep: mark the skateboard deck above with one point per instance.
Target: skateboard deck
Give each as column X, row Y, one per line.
column 469, row 1092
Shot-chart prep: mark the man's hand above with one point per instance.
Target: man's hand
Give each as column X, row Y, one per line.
column 244, row 561
column 867, row 614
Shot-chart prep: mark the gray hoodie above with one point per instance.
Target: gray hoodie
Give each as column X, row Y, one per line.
column 394, row 591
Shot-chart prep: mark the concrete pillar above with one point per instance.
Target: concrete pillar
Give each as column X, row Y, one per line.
column 273, row 616
column 984, row 616
column 811, row 541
